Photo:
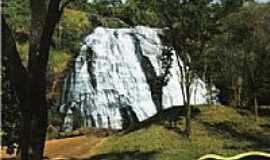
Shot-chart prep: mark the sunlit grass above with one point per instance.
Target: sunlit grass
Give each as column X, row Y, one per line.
column 23, row 49
column 58, row 60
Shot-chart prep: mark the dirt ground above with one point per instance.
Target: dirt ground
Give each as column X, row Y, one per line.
column 75, row 147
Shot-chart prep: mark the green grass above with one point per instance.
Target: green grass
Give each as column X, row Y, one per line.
column 23, row 49
column 216, row 129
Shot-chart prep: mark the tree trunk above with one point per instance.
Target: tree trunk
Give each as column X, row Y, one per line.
column 188, row 120
column 159, row 95
column 38, row 120
column 210, row 88
column 31, row 85
column 188, row 111
column 42, row 28
column 184, row 81
column 255, row 107
column 18, row 76
column 239, row 91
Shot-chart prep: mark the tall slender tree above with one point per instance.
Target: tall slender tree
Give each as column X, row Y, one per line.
column 190, row 26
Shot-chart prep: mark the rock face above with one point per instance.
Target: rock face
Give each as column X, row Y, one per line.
column 114, row 81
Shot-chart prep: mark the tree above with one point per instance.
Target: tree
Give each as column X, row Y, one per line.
column 242, row 54
column 188, row 28
column 30, row 83
column 18, row 12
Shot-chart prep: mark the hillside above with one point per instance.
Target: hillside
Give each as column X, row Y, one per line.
column 216, row 129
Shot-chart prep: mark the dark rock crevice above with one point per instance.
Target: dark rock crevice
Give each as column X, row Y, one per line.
column 90, row 58
column 153, row 80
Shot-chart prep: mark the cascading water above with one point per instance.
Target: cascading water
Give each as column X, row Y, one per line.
column 113, row 76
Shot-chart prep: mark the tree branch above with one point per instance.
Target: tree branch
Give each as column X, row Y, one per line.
column 54, row 13
column 65, row 4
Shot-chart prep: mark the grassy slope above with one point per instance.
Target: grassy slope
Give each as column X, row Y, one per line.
column 217, row 129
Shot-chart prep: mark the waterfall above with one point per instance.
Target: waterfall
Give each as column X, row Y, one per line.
column 113, row 76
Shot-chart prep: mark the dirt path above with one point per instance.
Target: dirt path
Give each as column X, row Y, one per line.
column 75, row 147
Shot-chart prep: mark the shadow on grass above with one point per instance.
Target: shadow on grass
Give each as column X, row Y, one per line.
column 170, row 118
column 259, row 140
column 265, row 126
column 128, row 155
column 263, row 111
column 255, row 158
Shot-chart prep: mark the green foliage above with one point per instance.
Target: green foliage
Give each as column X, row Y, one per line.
column 58, row 63
column 131, row 13
column 81, row 5
column 239, row 57
column 52, row 132
column 54, row 118
column 71, row 29
column 18, row 13
column 137, row 12
column 58, row 60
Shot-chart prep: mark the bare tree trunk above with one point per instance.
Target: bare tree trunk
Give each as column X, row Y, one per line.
column 185, row 90
column 239, row 91
column 254, row 90
column 159, row 87
column 188, row 107
column 188, row 119
column 38, row 113
column 189, row 110
column 255, row 107
column 210, row 88
column 43, row 27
